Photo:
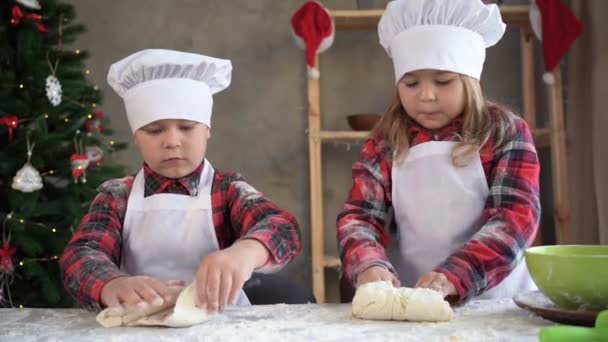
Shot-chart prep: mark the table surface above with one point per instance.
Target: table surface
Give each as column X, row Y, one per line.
column 484, row 320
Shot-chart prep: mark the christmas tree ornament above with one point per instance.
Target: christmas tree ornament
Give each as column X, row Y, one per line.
column 32, row 4
column 6, row 261
column 17, row 16
column 557, row 28
column 79, row 162
column 27, row 178
column 95, row 155
column 11, row 122
column 53, row 90
column 313, row 30
column 94, row 124
column 6, row 265
column 53, row 87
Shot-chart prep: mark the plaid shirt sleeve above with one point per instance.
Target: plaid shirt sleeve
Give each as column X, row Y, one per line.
column 92, row 256
column 511, row 214
column 242, row 212
column 362, row 238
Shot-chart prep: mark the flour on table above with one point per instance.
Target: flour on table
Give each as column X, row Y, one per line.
column 382, row 301
column 478, row 320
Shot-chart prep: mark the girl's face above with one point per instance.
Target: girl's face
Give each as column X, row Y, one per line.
column 433, row 98
column 173, row 148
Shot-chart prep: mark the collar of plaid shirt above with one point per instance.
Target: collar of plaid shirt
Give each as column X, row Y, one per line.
column 419, row 134
column 156, row 183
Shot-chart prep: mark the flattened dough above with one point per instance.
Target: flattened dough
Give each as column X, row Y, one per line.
column 180, row 312
column 382, row 301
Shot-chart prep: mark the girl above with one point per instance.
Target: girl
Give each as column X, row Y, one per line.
column 459, row 173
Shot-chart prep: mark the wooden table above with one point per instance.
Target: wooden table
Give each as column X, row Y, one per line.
column 477, row 321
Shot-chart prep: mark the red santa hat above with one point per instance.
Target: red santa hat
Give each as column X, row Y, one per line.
column 313, row 30
column 557, row 27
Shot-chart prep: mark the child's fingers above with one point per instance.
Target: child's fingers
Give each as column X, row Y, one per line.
column 213, row 289
column 436, row 281
column 395, row 281
column 175, row 283
column 154, row 292
column 201, row 288
column 225, row 287
column 163, row 288
column 237, row 284
column 130, row 297
column 115, row 309
column 425, row 281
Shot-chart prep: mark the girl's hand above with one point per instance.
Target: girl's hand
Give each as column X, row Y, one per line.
column 377, row 273
column 438, row 282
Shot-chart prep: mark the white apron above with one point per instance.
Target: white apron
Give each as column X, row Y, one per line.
column 166, row 236
column 438, row 208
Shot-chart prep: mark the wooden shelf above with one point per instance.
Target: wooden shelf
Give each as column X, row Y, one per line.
column 343, row 135
column 542, row 136
column 356, row 20
column 330, row 261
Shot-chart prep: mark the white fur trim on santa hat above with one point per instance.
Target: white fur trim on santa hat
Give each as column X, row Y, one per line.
column 549, row 78
column 312, row 73
column 535, row 20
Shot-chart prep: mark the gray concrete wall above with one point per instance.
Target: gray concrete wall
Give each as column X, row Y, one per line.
column 259, row 123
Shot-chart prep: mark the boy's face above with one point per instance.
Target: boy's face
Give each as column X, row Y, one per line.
column 172, row 147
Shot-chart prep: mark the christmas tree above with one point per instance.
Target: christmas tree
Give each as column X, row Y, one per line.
column 54, row 150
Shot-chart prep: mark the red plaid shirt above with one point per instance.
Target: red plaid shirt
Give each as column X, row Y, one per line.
column 511, row 213
column 92, row 257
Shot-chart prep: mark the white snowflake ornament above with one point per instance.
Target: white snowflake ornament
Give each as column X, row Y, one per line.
column 53, row 90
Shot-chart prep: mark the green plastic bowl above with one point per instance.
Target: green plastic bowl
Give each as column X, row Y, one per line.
column 575, row 277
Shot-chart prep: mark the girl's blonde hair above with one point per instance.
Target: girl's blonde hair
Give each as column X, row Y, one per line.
column 482, row 120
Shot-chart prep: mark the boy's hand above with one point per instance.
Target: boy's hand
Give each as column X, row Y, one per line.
column 137, row 291
column 221, row 275
column 377, row 273
column 438, row 282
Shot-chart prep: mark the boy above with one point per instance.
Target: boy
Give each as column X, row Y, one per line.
column 178, row 219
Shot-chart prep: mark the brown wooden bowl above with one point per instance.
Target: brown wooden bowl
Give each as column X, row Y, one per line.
column 363, row 121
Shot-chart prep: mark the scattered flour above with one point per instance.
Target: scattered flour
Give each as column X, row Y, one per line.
column 477, row 321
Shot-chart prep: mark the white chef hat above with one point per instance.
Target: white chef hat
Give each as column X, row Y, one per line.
column 449, row 35
column 161, row 84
